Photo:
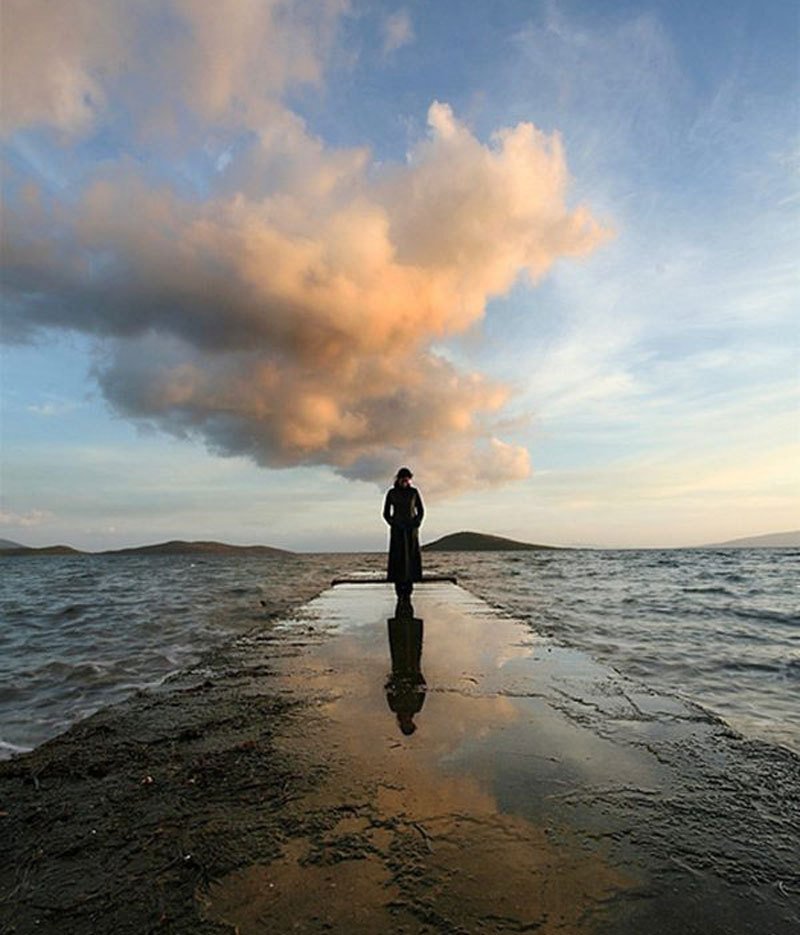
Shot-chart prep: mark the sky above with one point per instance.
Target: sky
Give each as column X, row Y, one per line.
column 258, row 255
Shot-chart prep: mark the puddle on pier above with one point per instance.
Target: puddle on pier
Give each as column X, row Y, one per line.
column 459, row 691
column 465, row 784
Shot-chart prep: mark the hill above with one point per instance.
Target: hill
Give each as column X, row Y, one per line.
column 180, row 547
column 9, row 544
column 480, row 542
column 45, row 550
column 174, row 547
column 772, row 540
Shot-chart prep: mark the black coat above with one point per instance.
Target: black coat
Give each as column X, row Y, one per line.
column 405, row 690
column 403, row 511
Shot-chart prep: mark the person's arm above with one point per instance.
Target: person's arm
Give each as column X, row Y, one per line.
column 420, row 511
column 387, row 508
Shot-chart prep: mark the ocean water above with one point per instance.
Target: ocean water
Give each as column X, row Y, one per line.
column 719, row 627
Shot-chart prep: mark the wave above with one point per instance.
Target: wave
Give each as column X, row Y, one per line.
column 710, row 590
column 745, row 666
column 71, row 610
column 7, row 750
column 765, row 616
column 792, row 668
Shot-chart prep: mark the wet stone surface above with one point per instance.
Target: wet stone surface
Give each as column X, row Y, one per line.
column 363, row 767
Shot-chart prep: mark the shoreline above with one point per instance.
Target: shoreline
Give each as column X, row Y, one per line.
column 257, row 600
column 278, row 761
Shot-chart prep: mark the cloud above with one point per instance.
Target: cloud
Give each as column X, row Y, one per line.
column 67, row 64
column 53, row 55
column 617, row 81
column 51, row 409
column 53, row 405
column 290, row 315
column 23, row 520
column 362, row 416
column 398, row 31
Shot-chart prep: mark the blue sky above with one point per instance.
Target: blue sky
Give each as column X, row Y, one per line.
column 545, row 253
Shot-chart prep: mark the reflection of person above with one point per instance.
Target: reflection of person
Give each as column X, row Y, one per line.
column 403, row 511
column 405, row 690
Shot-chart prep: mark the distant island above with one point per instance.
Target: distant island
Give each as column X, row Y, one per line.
column 455, row 542
column 772, row 540
column 8, row 544
column 480, row 542
column 44, row 550
column 173, row 547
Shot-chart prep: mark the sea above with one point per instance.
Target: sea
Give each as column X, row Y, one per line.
column 718, row 627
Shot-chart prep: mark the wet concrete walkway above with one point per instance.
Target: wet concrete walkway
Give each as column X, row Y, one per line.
column 480, row 778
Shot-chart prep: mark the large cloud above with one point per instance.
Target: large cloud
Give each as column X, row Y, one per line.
column 289, row 316
column 67, row 64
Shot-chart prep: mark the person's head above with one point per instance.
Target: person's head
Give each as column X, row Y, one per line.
column 406, row 723
column 403, row 477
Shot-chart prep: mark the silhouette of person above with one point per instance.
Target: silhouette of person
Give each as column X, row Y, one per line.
column 403, row 511
column 405, row 690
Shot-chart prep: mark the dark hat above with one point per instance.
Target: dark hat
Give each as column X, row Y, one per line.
column 404, row 472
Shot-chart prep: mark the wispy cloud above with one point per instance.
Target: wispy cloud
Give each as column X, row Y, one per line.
column 23, row 520
column 398, row 31
column 68, row 65
column 55, row 406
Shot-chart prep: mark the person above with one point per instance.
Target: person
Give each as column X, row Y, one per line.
column 403, row 511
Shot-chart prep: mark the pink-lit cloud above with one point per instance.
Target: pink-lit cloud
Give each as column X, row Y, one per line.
column 67, row 64
column 290, row 315
column 398, row 30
